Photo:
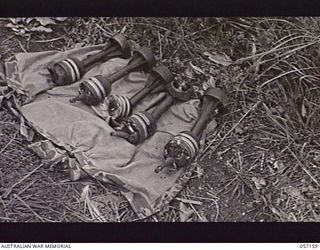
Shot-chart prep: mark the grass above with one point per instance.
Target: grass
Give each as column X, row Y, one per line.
column 261, row 163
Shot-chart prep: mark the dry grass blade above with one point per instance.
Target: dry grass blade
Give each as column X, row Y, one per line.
column 274, row 120
column 26, row 205
column 94, row 211
column 9, row 190
column 304, row 168
column 189, row 201
column 48, row 40
column 284, row 74
column 277, row 48
column 11, row 140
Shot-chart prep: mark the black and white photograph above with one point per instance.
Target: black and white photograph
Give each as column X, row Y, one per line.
column 159, row 119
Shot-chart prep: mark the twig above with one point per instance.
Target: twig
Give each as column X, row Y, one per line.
column 189, row 201
column 5, row 195
column 4, row 148
column 218, row 210
column 47, row 41
column 28, row 186
column 20, row 44
column 8, row 38
column 160, row 46
column 104, row 30
column 196, row 32
column 202, row 218
column 25, row 204
column 6, row 218
column 4, row 206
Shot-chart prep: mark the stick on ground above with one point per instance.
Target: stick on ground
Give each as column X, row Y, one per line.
column 9, row 190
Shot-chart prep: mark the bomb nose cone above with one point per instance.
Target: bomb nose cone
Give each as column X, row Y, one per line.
column 77, row 98
column 58, row 74
column 121, row 134
column 168, row 162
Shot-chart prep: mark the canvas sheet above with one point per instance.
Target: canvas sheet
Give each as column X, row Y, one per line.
column 79, row 135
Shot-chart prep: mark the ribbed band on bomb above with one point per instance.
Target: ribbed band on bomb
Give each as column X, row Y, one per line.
column 72, row 69
column 123, row 106
column 96, row 88
column 142, row 123
column 188, row 142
